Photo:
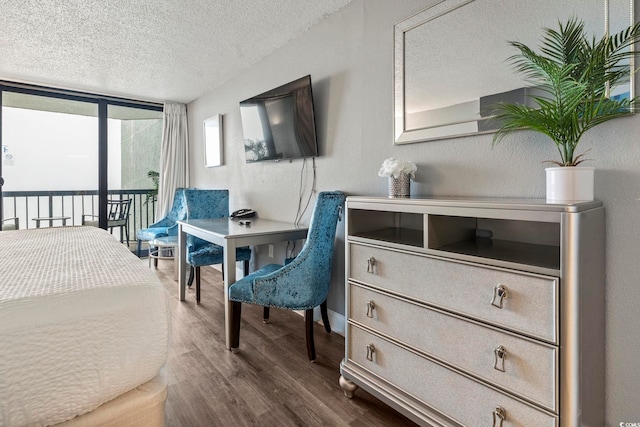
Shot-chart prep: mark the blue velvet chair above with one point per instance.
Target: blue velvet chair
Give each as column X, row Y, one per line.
column 208, row 204
column 301, row 284
column 167, row 226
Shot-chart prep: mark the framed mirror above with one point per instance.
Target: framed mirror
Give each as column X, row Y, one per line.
column 213, row 141
column 450, row 60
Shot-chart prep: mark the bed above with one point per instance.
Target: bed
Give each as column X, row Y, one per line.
column 84, row 331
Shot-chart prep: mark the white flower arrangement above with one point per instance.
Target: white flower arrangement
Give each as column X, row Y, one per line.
column 393, row 168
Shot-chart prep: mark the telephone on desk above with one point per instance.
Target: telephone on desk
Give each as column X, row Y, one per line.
column 243, row 214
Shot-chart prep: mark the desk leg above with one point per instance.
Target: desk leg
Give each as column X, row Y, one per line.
column 182, row 262
column 229, row 279
column 176, row 263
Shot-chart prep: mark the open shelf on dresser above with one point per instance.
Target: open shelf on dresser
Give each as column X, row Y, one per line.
column 523, row 242
column 545, row 256
column 526, row 242
column 403, row 228
column 402, row 236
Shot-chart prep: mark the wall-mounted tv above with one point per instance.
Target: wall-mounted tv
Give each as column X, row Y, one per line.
column 280, row 124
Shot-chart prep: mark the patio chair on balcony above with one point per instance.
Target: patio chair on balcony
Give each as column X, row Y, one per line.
column 167, row 226
column 117, row 216
column 10, row 224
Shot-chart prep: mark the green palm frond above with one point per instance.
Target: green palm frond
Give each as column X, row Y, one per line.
column 155, row 179
column 573, row 75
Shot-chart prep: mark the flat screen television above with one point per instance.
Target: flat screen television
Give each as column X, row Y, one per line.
column 280, row 124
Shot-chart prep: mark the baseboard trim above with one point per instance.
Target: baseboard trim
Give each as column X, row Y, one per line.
column 337, row 322
column 335, row 319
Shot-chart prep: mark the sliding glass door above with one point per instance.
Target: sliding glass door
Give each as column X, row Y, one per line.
column 64, row 155
column 49, row 151
column 134, row 136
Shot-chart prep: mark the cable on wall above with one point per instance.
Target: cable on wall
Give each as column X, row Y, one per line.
column 291, row 246
column 299, row 213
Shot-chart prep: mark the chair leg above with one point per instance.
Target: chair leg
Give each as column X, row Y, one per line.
column 198, row 285
column 325, row 316
column 155, row 260
column 126, row 232
column 265, row 315
column 236, row 309
column 190, row 280
column 139, row 248
column 246, row 267
column 308, row 320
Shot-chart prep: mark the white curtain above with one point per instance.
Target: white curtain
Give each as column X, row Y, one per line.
column 174, row 159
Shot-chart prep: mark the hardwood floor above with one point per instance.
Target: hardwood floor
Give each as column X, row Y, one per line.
column 270, row 382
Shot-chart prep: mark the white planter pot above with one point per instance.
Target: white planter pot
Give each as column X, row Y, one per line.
column 570, row 183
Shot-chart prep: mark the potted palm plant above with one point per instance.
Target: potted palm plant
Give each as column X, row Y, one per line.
column 573, row 75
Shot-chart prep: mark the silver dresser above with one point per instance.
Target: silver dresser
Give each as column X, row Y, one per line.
column 477, row 312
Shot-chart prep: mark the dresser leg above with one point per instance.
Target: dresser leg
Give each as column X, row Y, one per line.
column 348, row 387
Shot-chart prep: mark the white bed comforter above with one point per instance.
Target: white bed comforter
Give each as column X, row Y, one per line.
column 82, row 321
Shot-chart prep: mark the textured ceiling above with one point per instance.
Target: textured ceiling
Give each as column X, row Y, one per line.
column 146, row 49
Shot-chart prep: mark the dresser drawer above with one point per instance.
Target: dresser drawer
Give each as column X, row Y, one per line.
column 526, row 367
column 462, row 399
column 529, row 305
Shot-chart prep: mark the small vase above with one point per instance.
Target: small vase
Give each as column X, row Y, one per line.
column 399, row 187
column 570, row 183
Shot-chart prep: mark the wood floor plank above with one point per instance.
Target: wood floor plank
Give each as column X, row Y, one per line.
column 270, row 382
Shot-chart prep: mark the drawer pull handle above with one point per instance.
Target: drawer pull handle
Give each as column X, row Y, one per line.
column 370, row 306
column 499, row 294
column 370, row 350
column 500, row 354
column 371, row 262
column 499, row 415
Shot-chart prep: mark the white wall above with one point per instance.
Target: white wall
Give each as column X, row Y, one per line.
column 350, row 58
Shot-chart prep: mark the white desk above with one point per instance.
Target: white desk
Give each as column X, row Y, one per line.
column 231, row 235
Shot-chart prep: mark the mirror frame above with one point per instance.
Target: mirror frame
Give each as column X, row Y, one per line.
column 441, row 7
column 212, row 141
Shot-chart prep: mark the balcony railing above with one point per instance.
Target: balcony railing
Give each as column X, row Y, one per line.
column 27, row 205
